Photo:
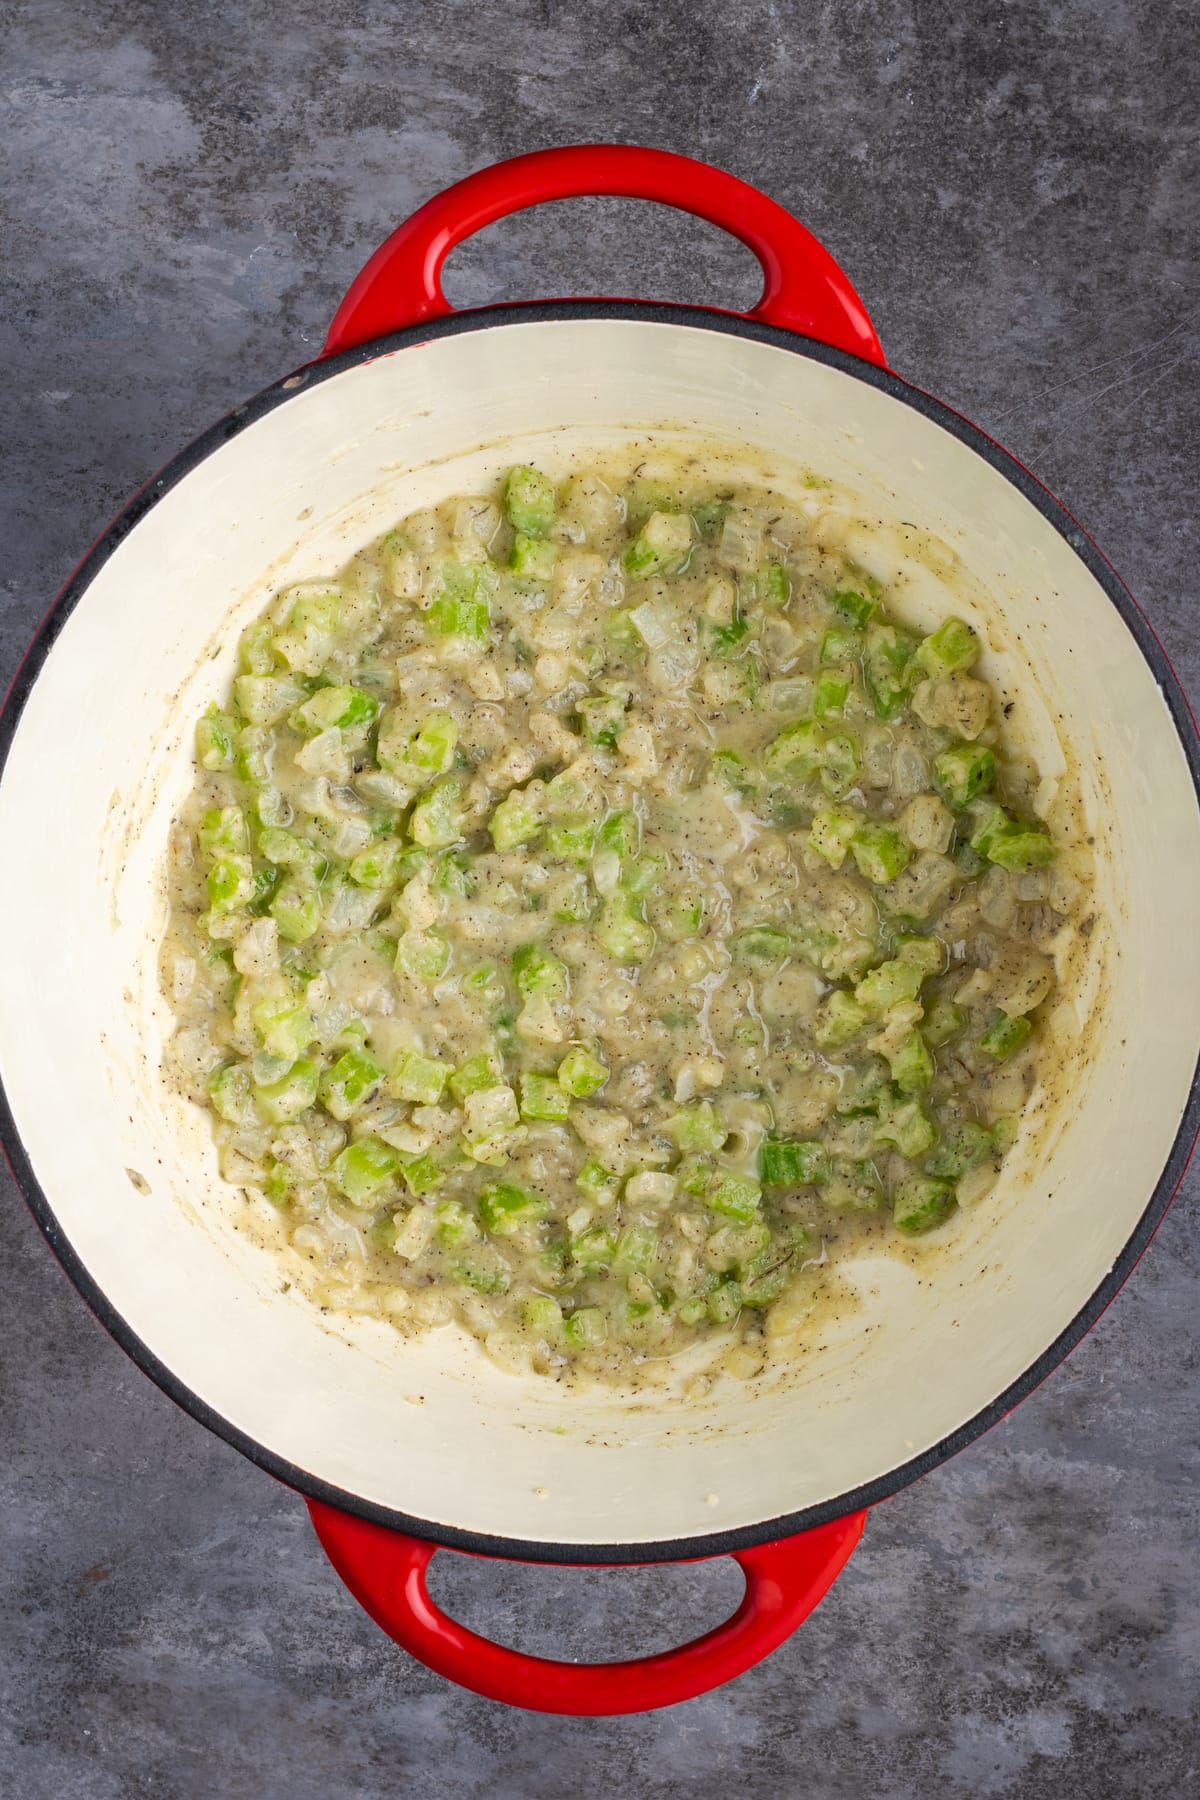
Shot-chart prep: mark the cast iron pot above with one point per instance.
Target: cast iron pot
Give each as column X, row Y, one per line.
column 400, row 1446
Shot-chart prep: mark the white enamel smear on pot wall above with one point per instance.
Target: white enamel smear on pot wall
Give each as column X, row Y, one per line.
column 127, row 678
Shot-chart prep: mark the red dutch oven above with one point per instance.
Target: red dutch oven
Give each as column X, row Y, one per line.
column 402, row 1445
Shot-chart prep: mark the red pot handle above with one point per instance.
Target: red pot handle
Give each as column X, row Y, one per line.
column 385, row 1571
column 803, row 288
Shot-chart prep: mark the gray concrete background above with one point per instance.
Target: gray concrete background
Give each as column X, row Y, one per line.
column 1013, row 188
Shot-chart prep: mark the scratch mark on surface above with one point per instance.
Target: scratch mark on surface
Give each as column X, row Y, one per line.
column 1090, row 400
column 1106, row 362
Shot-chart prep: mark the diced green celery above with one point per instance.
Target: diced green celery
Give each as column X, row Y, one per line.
column 437, row 819
column 265, row 699
column 709, row 516
column 543, row 1317
column 603, row 718
column 723, row 640
column 623, row 932
column 270, row 808
column 515, row 821
column 215, row 740
column 792, row 1162
column 537, row 970
column 580, row 1073
column 417, row 1078
column 483, row 1070
column 284, row 1025
column 504, row 1207
column 279, row 1183
column 887, row 985
column 286, row 849
column 456, row 1225
column 929, row 953
column 586, row 1327
column 838, row 1018
column 730, row 769
column 533, row 559
column 968, row 861
column 912, row 1065
column 832, row 832
column 839, row 765
column 880, row 852
column 735, row 1197
column 797, row 752
column 542, row 1098
column 853, row 1186
column 855, row 606
column 864, row 1090
column 724, row 1303
column 456, row 873
column 1021, row 847
column 350, row 1083
column 622, row 832
column 921, row 1203
column 379, row 865
column 1004, row 1036
column 570, row 843
column 951, row 647
column 432, row 749
column 485, row 985
column 887, row 668
column 683, row 917
column 831, row 692
column 296, row 909
column 256, row 648
column 696, row 1127
column 695, row 1175
column 223, row 832
column 661, row 547
column 622, row 638
column 529, row 500
column 840, row 645
column 761, row 944
column 598, row 1184
column 963, row 771
column 569, row 896
column 1004, row 1132
column 593, row 1248
column 766, row 1277
column 643, row 876
column 449, row 616
column 266, row 879
column 637, row 1247
column 986, row 822
column 769, row 585
column 363, row 1168
column 487, row 1275
column 304, row 641
column 292, row 1094
column 907, row 1125
column 232, row 1094
column 965, row 1143
column 943, row 1020
column 424, row 955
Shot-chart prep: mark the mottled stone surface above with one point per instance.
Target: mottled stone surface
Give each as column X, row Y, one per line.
column 1013, row 188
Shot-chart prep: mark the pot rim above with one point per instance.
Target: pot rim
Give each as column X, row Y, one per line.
column 1051, row 509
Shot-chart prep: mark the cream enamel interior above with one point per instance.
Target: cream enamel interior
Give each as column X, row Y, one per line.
column 428, row 1427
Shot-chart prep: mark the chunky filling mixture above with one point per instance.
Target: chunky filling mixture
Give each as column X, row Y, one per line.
column 594, row 909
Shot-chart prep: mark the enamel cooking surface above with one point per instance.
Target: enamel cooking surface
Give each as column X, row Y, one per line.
column 425, row 1429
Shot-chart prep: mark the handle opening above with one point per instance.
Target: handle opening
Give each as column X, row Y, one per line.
column 603, row 245
column 580, row 1614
